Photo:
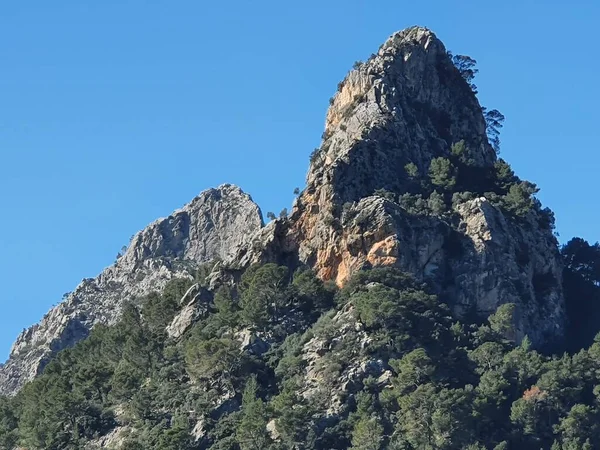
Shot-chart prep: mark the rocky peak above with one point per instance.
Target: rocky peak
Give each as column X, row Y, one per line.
column 214, row 225
column 409, row 104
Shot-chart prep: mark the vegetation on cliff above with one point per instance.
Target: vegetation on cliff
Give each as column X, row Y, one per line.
column 379, row 364
column 269, row 356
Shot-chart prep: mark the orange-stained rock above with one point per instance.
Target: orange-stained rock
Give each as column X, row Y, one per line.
column 384, row 253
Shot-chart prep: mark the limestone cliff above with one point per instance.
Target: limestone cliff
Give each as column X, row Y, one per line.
column 214, row 225
column 409, row 104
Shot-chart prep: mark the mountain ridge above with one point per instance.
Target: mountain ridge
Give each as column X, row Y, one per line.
column 167, row 248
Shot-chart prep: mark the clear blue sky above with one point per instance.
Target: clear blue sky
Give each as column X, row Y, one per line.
column 114, row 113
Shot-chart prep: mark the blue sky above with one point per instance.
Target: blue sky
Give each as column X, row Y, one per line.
column 115, row 113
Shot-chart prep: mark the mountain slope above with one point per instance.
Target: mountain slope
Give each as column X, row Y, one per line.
column 400, row 305
column 214, row 225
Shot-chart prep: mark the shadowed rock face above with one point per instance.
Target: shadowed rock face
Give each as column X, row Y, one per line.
column 408, row 103
column 216, row 224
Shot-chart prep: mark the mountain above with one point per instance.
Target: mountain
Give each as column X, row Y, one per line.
column 408, row 104
column 214, row 225
column 411, row 299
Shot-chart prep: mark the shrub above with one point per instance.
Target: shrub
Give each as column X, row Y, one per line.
column 411, row 170
column 436, row 203
column 442, row 173
column 519, row 199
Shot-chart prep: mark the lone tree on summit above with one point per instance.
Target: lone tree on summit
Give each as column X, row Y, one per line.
column 466, row 66
column 494, row 120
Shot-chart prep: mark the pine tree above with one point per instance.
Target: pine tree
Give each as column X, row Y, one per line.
column 251, row 433
column 442, row 173
column 367, row 434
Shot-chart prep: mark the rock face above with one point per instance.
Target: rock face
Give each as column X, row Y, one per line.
column 408, row 103
column 196, row 300
column 317, row 382
column 216, row 224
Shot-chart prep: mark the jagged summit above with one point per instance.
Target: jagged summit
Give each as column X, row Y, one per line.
column 214, row 225
column 407, row 106
column 408, row 98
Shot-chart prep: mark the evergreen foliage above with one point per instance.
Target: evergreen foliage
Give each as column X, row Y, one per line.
column 581, row 282
column 451, row 385
column 442, row 173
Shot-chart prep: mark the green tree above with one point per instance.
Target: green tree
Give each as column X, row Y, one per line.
column 466, row 66
column 263, row 294
column 581, row 284
column 293, row 416
column 505, row 177
column 494, row 121
column 488, row 356
column 583, row 259
column 519, row 198
column 442, row 173
column 436, row 203
column 502, row 321
column 215, row 358
column 414, row 369
column 251, row 433
column 460, row 151
column 227, row 311
column 411, row 170
column 431, row 418
column 579, row 428
column 8, row 423
column 367, row 434
column 310, row 292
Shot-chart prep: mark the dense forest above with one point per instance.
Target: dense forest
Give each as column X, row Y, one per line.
column 237, row 379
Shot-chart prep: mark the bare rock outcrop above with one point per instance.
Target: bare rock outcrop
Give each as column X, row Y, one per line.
column 214, row 225
column 408, row 104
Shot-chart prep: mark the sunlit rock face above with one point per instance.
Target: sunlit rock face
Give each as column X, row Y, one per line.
column 214, row 225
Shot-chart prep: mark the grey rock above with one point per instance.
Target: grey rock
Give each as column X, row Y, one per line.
column 251, row 342
column 272, row 430
column 475, row 263
column 214, row 225
column 197, row 306
column 345, row 336
column 199, row 430
column 112, row 440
